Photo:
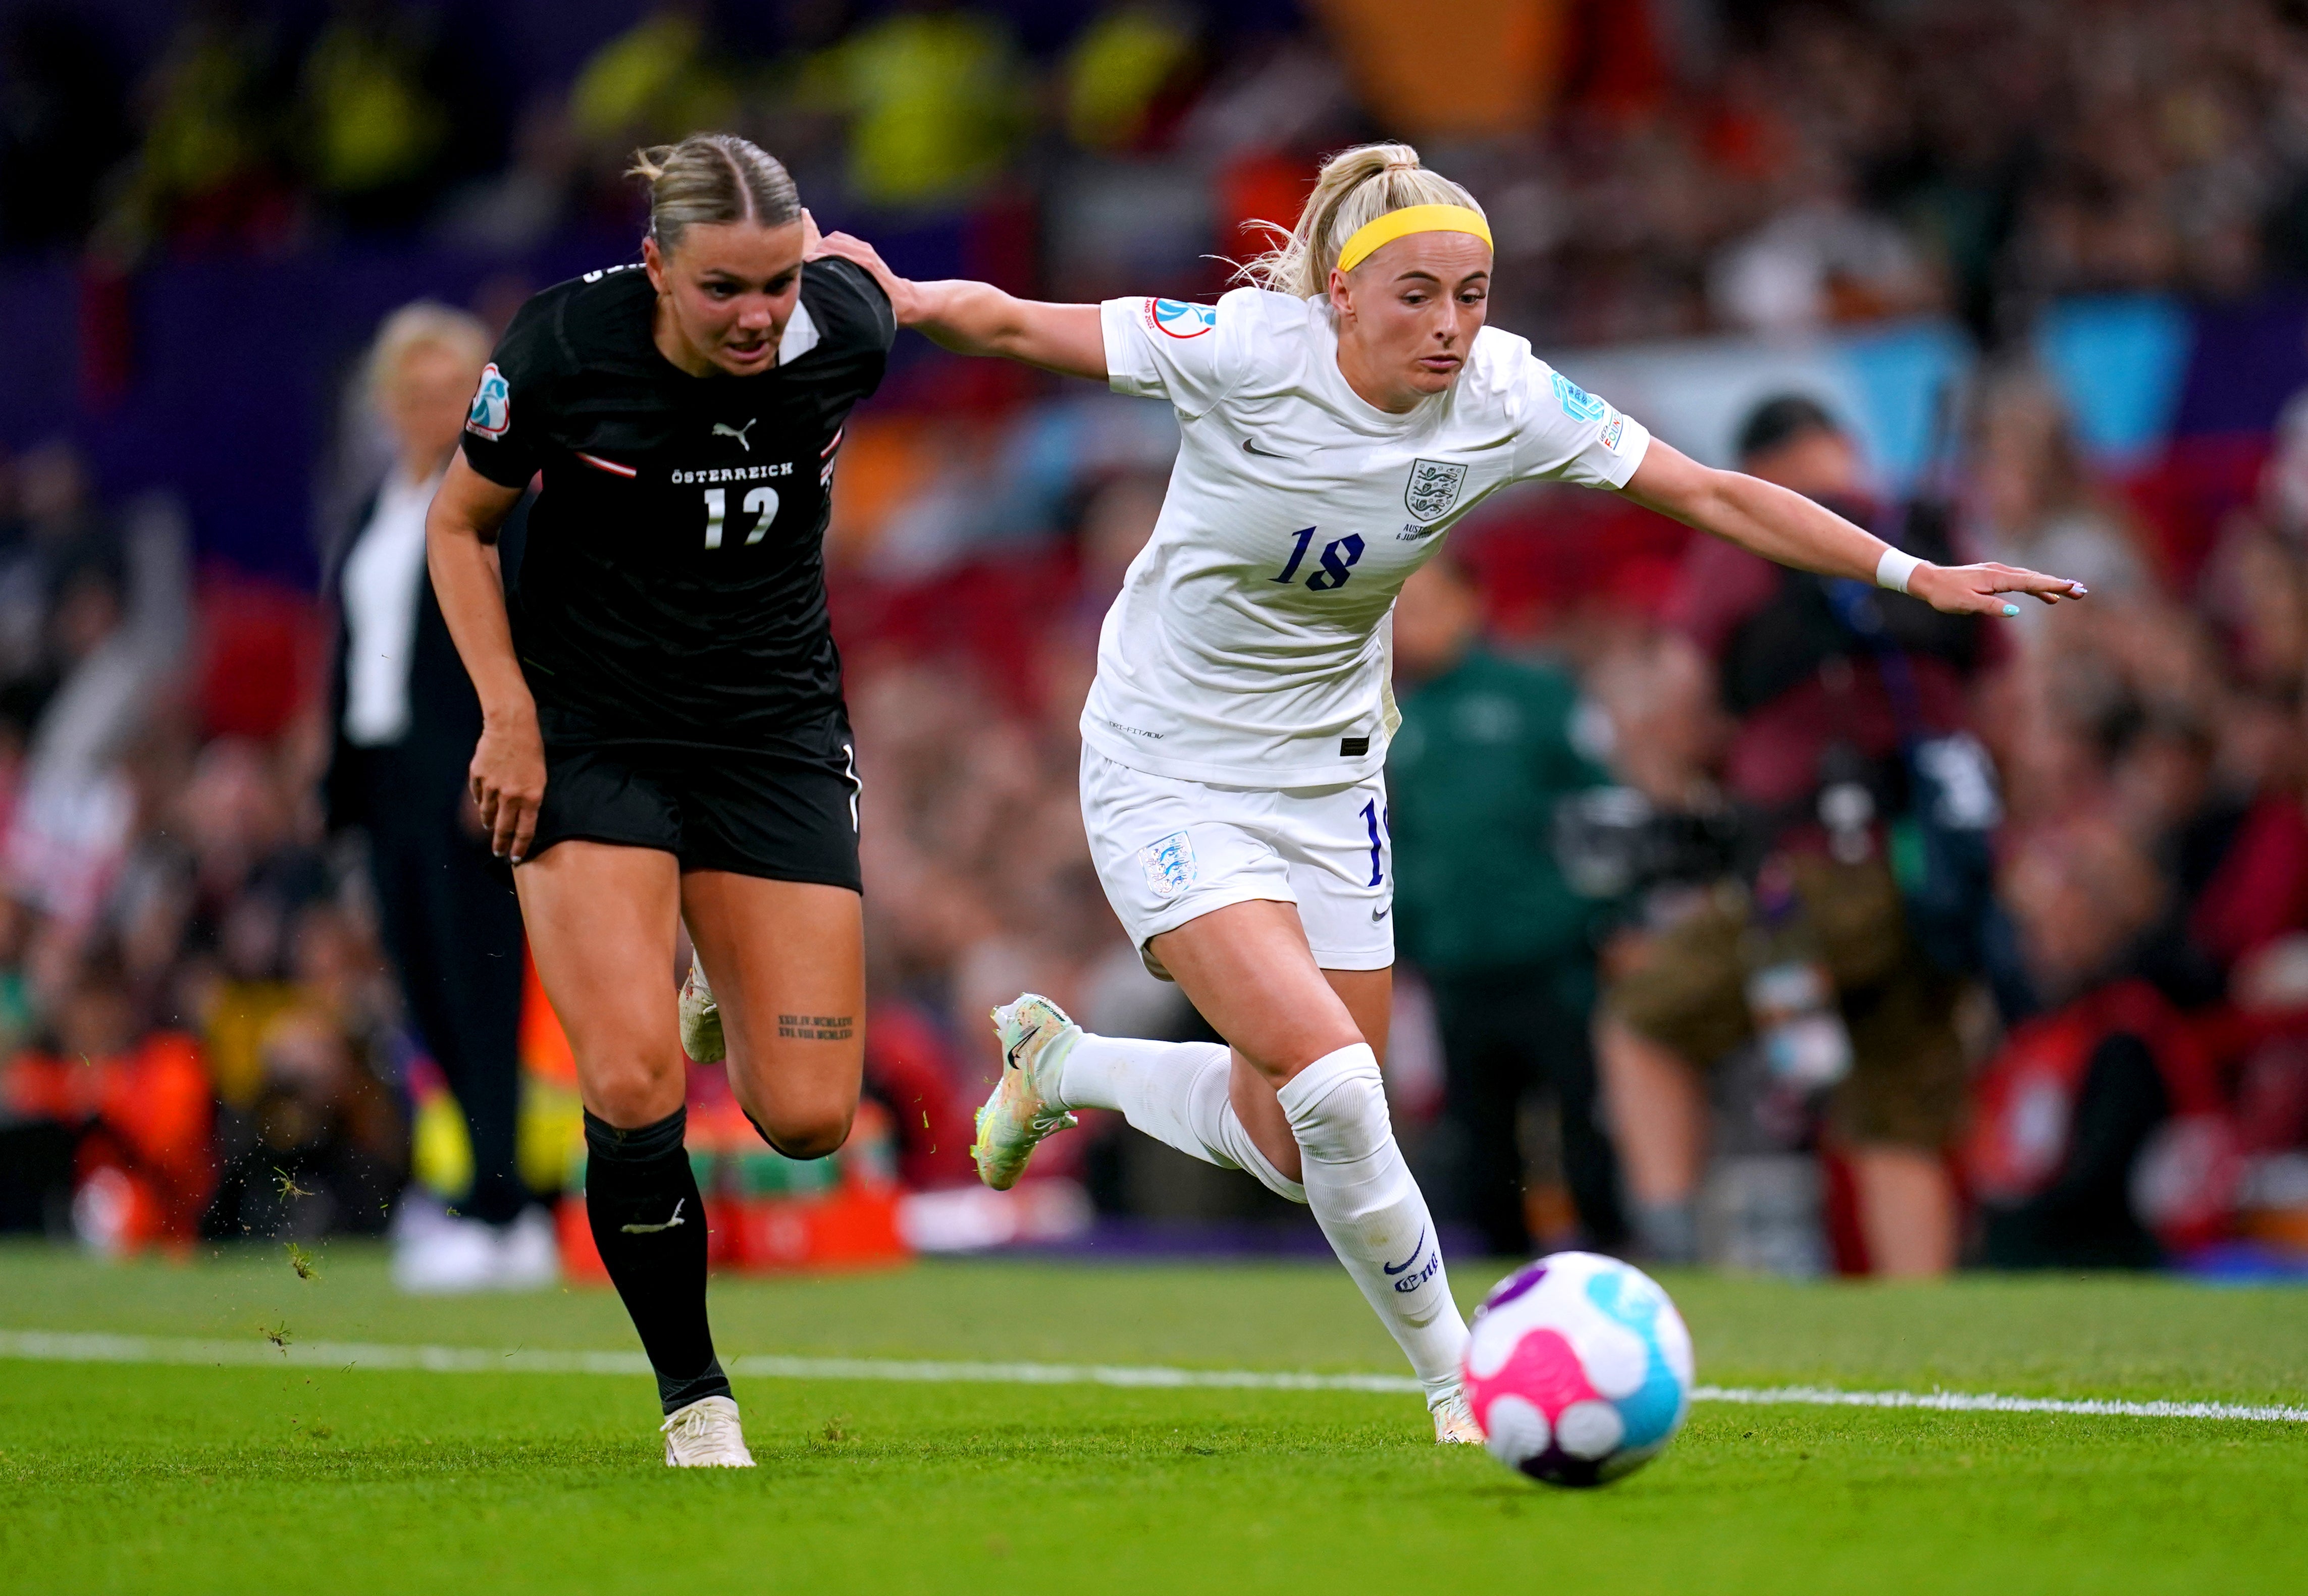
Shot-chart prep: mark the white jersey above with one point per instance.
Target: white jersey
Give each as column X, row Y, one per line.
column 1250, row 645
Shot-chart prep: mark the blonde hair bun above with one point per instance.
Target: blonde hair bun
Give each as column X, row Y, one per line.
column 1355, row 187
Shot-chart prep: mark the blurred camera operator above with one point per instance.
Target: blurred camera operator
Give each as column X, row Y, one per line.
column 1833, row 967
column 1484, row 754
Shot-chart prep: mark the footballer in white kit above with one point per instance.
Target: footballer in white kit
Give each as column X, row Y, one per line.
column 1337, row 418
column 1235, row 737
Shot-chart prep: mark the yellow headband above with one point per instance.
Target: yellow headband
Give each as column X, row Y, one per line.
column 1411, row 218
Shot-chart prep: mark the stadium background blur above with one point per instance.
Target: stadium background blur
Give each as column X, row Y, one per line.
column 2046, row 263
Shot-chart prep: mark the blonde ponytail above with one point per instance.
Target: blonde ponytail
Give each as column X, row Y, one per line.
column 1356, row 187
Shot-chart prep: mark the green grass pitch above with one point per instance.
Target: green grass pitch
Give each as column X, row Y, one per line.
column 268, row 1480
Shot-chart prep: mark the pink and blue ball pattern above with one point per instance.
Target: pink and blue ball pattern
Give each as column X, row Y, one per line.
column 1578, row 1369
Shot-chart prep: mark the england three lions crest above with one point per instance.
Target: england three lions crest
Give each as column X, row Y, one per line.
column 1433, row 488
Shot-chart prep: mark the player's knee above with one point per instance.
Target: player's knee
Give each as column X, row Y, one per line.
column 799, row 1131
column 632, row 1094
column 815, row 1138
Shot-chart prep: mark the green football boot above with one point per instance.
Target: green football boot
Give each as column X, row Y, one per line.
column 1036, row 1036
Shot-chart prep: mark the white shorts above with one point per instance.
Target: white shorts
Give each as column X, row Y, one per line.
column 1170, row 851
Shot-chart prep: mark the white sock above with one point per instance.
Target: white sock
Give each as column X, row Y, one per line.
column 1175, row 1092
column 1370, row 1209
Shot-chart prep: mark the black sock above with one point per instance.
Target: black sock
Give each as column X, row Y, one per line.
column 649, row 1222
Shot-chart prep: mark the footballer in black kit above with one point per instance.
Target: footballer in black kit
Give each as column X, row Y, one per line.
column 670, row 615
column 663, row 744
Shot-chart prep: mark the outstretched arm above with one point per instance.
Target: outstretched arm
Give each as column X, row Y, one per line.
column 1782, row 525
column 972, row 318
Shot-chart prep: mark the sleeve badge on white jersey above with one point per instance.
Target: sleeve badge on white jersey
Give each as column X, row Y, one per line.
column 1180, row 318
column 1578, row 403
column 1433, row 488
column 1612, row 431
column 1170, row 867
column 492, row 411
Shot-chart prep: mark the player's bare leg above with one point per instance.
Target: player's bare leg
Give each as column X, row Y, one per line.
column 787, row 960
column 601, row 921
column 1309, row 1038
column 1296, row 1101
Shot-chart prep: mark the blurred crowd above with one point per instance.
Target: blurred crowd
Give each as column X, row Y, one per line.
column 200, row 1036
column 1653, row 166
column 1745, row 917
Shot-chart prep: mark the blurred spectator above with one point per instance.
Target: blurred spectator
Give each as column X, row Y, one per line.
column 2068, row 1107
column 320, row 1149
column 405, row 719
column 2034, row 502
column 1127, row 74
column 207, row 169
column 936, row 103
column 133, row 1104
column 1851, row 709
column 1485, row 750
column 521, row 206
column 1821, row 260
column 381, row 118
column 659, row 81
column 120, row 621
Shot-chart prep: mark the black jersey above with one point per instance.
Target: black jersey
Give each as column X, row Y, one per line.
column 673, row 588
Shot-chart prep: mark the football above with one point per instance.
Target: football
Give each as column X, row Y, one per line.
column 1578, row 1369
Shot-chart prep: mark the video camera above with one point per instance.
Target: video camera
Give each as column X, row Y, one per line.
column 1612, row 841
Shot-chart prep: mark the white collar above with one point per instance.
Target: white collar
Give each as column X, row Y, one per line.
column 799, row 337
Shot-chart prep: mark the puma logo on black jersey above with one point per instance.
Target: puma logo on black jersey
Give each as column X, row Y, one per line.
column 722, row 429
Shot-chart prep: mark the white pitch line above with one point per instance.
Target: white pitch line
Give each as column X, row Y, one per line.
column 54, row 1346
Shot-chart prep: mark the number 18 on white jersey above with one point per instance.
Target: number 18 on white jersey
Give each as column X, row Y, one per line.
column 1249, row 645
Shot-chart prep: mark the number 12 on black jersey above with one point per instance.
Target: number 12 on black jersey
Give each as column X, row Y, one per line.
column 763, row 500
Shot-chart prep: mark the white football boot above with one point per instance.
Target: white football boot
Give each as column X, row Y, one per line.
column 705, row 1434
column 1454, row 1421
column 1036, row 1036
column 701, row 1018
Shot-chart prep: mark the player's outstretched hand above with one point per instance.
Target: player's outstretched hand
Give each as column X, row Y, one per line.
column 1980, row 589
column 507, row 779
column 903, row 294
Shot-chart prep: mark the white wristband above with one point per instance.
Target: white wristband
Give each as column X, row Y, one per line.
column 1893, row 570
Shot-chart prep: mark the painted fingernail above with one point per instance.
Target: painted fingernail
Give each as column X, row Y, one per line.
column 2080, row 589
column 2011, row 609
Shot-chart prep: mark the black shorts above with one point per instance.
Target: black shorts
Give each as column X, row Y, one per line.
column 784, row 809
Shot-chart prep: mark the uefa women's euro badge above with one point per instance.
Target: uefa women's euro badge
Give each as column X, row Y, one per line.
column 1180, row 318
column 1169, row 862
column 492, row 411
column 1433, row 488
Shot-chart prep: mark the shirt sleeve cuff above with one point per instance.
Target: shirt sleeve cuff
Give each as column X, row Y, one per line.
column 1620, row 464
column 1128, row 370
